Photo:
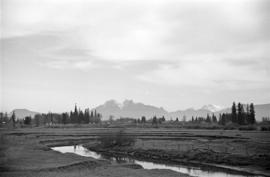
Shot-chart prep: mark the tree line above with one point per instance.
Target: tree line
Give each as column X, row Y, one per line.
column 77, row 116
column 240, row 114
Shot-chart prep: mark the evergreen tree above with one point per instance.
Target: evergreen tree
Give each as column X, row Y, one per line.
column 50, row 118
column 76, row 110
column 6, row 117
column 64, row 118
column 98, row 118
column 214, row 118
column 1, row 118
column 72, row 117
column 162, row 119
column 252, row 114
column 143, row 119
column 247, row 115
column 154, row 121
column 208, row 119
column 95, row 114
column 80, row 117
column 139, row 121
column 37, row 119
column 223, row 119
column 13, row 117
column 234, row 113
column 135, row 121
column 91, row 117
column 240, row 116
column 76, row 114
column 86, row 116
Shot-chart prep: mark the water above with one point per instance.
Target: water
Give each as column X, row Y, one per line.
column 193, row 171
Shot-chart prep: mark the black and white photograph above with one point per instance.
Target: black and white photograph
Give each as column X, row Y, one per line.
column 134, row 88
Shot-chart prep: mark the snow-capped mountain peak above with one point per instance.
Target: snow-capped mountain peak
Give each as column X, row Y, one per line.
column 111, row 103
column 212, row 108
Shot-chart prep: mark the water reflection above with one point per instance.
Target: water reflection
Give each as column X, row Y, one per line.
column 118, row 159
column 193, row 171
column 77, row 149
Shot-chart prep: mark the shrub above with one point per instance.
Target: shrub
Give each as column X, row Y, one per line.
column 117, row 139
column 27, row 120
column 265, row 128
column 250, row 127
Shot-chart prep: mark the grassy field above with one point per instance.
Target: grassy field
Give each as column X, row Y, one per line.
column 26, row 152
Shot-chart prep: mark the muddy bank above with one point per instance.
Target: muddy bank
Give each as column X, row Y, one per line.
column 203, row 159
column 65, row 142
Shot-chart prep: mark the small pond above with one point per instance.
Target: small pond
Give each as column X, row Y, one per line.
column 193, row 171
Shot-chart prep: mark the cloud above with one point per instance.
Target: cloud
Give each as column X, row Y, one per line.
column 168, row 47
column 209, row 72
column 48, row 49
column 64, row 64
column 143, row 30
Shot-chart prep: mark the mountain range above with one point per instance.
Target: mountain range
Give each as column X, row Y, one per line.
column 131, row 109
column 22, row 113
column 136, row 110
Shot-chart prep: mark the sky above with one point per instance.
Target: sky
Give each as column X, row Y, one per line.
column 171, row 53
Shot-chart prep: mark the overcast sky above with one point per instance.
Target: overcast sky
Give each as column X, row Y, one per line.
column 171, row 53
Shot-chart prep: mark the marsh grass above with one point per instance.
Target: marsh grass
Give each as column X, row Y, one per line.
column 25, row 155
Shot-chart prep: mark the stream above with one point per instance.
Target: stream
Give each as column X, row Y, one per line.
column 192, row 171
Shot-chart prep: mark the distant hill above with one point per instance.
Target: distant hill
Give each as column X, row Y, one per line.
column 22, row 113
